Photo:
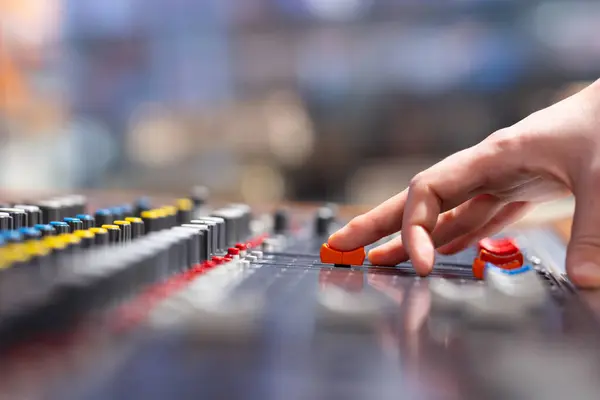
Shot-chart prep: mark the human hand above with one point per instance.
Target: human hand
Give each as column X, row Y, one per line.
column 476, row 192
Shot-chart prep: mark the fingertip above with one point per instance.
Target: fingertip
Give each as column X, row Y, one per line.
column 338, row 240
column 585, row 275
column 421, row 250
column 381, row 256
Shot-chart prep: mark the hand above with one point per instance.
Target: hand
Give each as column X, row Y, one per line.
column 474, row 193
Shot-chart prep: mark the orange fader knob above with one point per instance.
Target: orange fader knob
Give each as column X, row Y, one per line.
column 331, row 256
column 354, row 257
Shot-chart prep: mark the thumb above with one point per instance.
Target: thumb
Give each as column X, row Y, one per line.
column 583, row 253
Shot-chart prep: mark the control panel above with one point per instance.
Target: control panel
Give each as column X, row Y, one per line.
column 185, row 300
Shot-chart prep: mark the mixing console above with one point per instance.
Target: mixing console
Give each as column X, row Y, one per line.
column 146, row 301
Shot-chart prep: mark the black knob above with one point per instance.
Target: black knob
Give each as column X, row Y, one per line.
column 142, row 204
column 325, row 218
column 103, row 217
column 280, row 221
column 50, row 211
column 6, row 222
column 199, row 195
column 34, row 214
column 19, row 217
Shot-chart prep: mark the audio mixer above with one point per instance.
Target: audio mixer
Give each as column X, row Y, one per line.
column 146, row 300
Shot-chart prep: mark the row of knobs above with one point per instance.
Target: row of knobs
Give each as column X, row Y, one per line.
column 324, row 219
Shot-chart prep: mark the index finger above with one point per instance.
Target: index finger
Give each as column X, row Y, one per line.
column 367, row 228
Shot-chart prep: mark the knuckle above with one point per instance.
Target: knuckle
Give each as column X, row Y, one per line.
column 504, row 141
column 418, row 183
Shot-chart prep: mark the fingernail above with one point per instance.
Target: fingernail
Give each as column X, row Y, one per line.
column 587, row 273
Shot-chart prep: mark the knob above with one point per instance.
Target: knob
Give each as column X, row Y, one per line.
column 325, row 218
column 280, row 221
column 19, row 217
column 199, row 195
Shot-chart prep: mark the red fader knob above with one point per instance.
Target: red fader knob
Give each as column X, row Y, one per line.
column 503, row 253
column 500, row 247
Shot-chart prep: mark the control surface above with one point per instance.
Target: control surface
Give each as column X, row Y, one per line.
column 189, row 301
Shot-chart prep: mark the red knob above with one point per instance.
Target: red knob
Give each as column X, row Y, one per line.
column 500, row 247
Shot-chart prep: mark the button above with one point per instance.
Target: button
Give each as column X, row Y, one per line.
column 217, row 260
column 500, row 247
column 233, row 251
column 500, row 252
column 501, row 260
column 242, row 248
column 330, row 256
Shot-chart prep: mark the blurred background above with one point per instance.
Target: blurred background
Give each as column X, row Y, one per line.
column 264, row 100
